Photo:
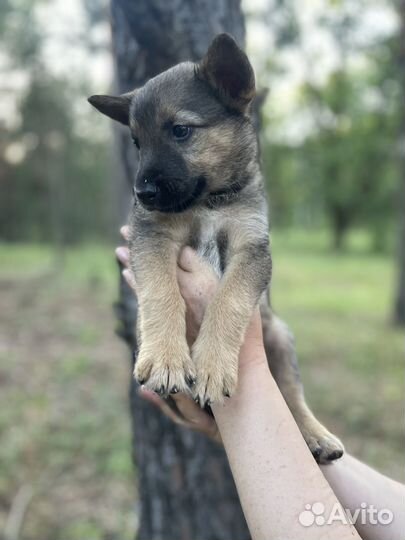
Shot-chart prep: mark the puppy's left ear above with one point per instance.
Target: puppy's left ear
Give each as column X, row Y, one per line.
column 116, row 107
column 228, row 71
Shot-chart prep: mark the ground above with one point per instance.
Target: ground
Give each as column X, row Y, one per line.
column 65, row 462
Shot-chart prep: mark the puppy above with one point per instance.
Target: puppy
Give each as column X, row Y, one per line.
column 199, row 184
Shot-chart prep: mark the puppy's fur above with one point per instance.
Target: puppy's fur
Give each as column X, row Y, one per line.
column 199, row 184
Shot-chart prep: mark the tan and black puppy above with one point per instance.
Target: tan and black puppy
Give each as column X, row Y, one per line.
column 199, row 184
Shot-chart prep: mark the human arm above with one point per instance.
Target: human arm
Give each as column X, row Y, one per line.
column 273, row 469
column 380, row 499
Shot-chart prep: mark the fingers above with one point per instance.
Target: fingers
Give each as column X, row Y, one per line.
column 125, row 232
column 189, row 261
column 161, row 404
column 129, row 278
column 122, row 254
column 188, row 408
column 186, row 281
column 196, row 418
column 195, row 272
column 190, row 415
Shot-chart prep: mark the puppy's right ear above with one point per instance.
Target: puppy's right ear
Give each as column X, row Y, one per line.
column 228, row 71
column 116, row 107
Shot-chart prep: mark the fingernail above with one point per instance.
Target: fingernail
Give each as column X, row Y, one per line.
column 122, row 254
column 127, row 275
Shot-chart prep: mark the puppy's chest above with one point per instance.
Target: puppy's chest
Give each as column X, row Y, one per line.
column 209, row 236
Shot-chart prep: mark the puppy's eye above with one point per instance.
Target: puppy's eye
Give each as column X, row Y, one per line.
column 181, row 133
column 136, row 142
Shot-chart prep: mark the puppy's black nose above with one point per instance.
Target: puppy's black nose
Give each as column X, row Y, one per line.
column 147, row 192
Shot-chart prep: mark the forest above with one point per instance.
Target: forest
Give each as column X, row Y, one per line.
column 331, row 79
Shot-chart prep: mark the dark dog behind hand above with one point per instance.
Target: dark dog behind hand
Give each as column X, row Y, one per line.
column 199, row 184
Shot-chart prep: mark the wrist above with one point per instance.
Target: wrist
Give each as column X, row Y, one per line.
column 252, row 351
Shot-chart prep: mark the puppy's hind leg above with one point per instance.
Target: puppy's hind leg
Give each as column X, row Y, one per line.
column 281, row 356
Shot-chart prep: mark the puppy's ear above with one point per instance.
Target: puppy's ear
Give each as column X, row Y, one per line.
column 116, row 107
column 228, row 71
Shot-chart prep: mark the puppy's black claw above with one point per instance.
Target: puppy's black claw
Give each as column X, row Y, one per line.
column 161, row 391
column 190, row 380
column 336, row 454
column 141, row 381
column 174, row 390
column 317, row 452
column 207, row 403
column 227, row 394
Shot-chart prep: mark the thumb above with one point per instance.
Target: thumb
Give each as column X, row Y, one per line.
column 189, row 261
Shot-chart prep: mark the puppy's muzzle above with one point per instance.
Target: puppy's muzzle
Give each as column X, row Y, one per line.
column 169, row 194
column 147, row 193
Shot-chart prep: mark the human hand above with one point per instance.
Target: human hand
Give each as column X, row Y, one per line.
column 197, row 284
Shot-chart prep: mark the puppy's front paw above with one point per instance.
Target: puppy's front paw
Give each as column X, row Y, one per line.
column 217, row 374
column 324, row 446
column 165, row 369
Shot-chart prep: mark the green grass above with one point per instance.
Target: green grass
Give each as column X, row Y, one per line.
column 64, row 375
column 351, row 358
column 64, row 380
column 89, row 265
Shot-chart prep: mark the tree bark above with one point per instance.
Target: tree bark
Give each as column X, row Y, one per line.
column 399, row 310
column 186, row 490
column 399, row 306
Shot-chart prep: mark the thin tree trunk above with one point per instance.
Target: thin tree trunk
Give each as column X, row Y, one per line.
column 340, row 225
column 399, row 307
column 399, row 310
column 185, row 487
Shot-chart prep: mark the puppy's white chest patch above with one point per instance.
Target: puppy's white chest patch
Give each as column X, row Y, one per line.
column 209, row 251
column 207, row 243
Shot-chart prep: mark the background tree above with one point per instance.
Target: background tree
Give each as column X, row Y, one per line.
column 399, row 309
column 185, row 486
column 54, row 161
column 330, row 140
column 338, row 166
column 351, row 152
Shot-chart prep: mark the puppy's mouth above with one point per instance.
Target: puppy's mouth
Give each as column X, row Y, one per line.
column 170, row 205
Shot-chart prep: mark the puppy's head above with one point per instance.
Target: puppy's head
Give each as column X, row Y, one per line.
column 191, row 127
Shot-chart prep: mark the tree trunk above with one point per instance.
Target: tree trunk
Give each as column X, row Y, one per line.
column 399, row 308
column 185, row 487
column 340, row 225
